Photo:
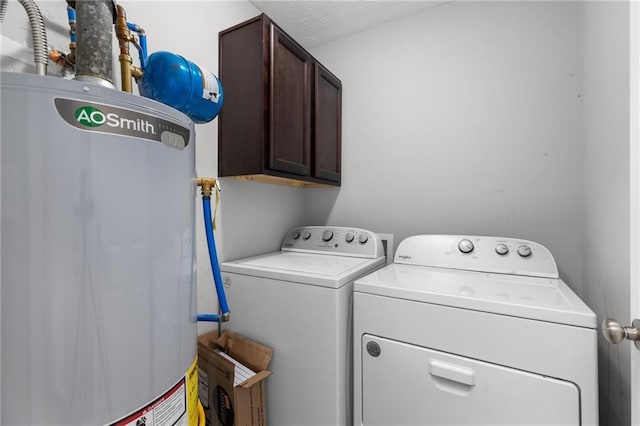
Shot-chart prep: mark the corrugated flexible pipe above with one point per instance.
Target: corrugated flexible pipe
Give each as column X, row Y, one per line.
column 3, row 9
column 38, row 33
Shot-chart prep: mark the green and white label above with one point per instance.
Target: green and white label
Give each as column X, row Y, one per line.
column 90, row 116
column 103, row 118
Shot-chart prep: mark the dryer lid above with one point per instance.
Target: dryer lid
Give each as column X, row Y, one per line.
column 542, row 299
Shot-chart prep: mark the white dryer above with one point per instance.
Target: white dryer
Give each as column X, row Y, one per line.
column 299, row 301
column 472, row 331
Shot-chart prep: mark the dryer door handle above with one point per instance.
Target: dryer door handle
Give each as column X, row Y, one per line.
column 455, row 373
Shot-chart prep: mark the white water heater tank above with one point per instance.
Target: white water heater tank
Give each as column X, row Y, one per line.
column 98, row 296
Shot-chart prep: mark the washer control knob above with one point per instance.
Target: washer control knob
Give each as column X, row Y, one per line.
column 349, row 237
column 295, row 235
column 306, row 235
column 524, row 251
column 327, row 235
column 465, row 246
column 363, row 238
column 502, row 249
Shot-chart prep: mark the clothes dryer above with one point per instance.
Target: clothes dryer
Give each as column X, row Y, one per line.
column 299, row 301
column 472, row 331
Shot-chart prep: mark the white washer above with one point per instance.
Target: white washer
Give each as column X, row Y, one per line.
column 472, row 331
column 299, row 302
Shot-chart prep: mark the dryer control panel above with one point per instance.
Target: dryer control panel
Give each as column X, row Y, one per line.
column 484, row 254
column 334, row 240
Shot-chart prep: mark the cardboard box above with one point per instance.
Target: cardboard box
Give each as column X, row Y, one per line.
column 226, row 404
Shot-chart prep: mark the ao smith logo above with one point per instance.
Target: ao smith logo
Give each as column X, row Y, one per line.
column 114, row 120
column 90, row 116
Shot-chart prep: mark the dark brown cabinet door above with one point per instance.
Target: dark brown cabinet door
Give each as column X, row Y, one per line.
column 290, row 101
column 242, row 121
column 327, row 125
column 280, row 122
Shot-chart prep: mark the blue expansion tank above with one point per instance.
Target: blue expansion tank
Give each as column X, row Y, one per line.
column 183, row 85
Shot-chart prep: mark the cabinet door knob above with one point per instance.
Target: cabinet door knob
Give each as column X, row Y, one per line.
column 615, row 332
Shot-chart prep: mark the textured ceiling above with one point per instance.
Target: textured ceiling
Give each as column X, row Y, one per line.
column 313, row 22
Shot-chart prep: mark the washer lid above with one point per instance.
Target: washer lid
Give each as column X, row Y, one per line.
column 306, row 268
column 543, row 299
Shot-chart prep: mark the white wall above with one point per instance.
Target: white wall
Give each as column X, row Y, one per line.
column 463, row 119
column 253, row 217
column 606, row 221
column 472, row 117
column 16, row 54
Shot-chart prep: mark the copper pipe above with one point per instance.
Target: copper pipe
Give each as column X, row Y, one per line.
column 64, row 60
column 58, row 57
column 125, row 69
column 71, row 56
column 124, row 38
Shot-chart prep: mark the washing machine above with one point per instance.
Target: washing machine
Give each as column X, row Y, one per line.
column 464, row 330
column 299, row 301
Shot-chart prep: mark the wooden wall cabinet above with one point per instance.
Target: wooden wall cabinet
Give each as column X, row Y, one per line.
column 281, row 117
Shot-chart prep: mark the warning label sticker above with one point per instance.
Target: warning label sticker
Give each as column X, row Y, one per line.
column 192, row 393
column 203, row 388
column 167, row 410
column 210, row 88
column 176, row 407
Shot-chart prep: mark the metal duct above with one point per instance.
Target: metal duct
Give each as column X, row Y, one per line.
column 94, row 27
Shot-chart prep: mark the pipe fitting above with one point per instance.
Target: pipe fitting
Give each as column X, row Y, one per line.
column 124, row 35
column 136, row 72
column 207, row 185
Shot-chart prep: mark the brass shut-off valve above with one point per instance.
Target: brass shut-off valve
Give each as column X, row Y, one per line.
column 207, row 184
column 124, row 35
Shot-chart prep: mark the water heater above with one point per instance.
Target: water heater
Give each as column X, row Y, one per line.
column 98, row 297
